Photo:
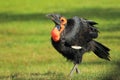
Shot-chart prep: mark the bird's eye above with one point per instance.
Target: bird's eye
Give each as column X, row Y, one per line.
column 63, row 20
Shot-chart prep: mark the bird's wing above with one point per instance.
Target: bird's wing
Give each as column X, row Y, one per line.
column 92, row 23
column 79, row 31
column 93, row 31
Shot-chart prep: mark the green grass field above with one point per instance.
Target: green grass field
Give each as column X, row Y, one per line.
column 25, row 49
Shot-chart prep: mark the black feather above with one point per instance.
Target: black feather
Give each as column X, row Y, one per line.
column 100, row 50
column 80, row 32
column 91, row 22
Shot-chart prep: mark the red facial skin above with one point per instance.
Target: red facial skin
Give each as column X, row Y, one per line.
column 55, row 33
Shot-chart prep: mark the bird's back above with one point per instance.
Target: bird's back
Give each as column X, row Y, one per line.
column 75, row 34
column 77, row 31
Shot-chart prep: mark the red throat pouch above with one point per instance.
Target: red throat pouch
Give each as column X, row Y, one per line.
column 55, row 34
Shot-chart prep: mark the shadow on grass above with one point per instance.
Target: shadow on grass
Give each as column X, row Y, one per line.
column 115, row 74
column 100, row 13
column 9, row 17
column 89, row 13
column 35, row 76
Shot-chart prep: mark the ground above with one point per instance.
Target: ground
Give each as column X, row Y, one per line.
column 25, row 48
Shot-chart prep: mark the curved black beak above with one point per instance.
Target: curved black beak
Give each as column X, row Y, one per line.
column 55, row 18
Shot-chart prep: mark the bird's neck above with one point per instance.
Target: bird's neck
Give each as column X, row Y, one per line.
column 62, row 28
column 56, row 34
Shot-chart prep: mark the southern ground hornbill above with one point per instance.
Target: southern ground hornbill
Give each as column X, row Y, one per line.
column 73, row 37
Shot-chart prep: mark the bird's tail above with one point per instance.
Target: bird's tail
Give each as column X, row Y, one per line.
column 100, row 50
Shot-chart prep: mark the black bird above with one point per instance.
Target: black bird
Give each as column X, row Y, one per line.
column 75, row 36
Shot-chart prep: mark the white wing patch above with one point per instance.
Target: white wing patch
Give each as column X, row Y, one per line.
column 76, row 47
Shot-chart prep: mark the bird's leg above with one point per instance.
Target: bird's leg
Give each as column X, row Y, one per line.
column 77, row 70
column 73, row 69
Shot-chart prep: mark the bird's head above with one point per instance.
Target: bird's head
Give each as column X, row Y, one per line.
column 60, row 23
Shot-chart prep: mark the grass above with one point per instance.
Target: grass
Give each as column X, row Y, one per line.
column 25, row 48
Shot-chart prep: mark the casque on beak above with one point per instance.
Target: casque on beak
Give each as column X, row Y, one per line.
column 55, row 18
